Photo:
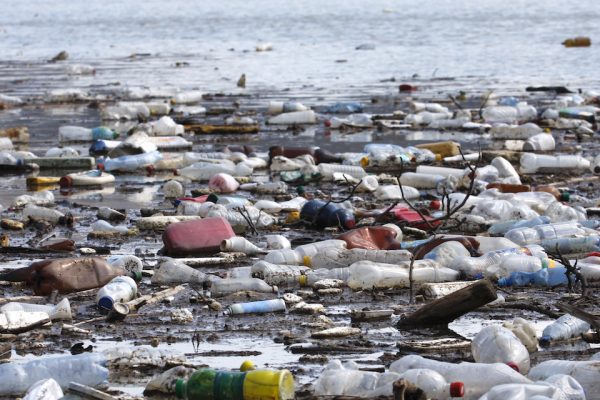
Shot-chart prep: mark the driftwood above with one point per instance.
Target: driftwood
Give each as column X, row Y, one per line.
column 121, row 310
column 446, row 309
column 221, row 129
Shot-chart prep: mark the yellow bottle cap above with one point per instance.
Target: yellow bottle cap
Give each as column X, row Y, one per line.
column 247, row 365
column 292, row 217
column 306, row 260
column 438, row 157
column 364, row 162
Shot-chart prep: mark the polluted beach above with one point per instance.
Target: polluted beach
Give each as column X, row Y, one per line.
column 275, row 201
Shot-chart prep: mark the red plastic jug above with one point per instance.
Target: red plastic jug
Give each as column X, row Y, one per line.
column 198, row 236
column 371, row 238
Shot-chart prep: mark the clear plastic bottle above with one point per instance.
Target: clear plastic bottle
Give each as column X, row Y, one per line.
column 105, row 226
column 240, row 244
column 294, row 118
column 523, row 132
column 173, row 271
column 121, row 289
column 495, row 344
column 519, row 263
column 421, row 181
column 131, row 162
column 443, row 171
column 81, row 134
column 334, row 257
column 315, row 275
column 572, row 245
column 536, row 234
column 536, row 390
column 60, row 311
column 477, row 265
column 393, row 192
column 41, row 198
column 433, row 384
column 327, row 170
column 347, row 380
column 532, row 163
column 558, row 212
column 278, row 275
column 278, row 107
column 224, row 287
column 477, row 378
column 564, row 328
column 46, row 389
column 368, row 275
column 445, row 253
column 500, row 228
column 87, row 369
column 584, row 372
column 128, row 262
column 36, row 213
column 256, row 307
column 204, row 171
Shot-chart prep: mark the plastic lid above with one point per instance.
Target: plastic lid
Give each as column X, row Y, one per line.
column 364, row 162
column 513, row 365
column 136, row 275
column 438, row 157
column 247, row 365
column 106, row 302
column 115, row 135
column 180, row 387
column 306, row 260
column 457, row 389
column 66, row 181
column 435, row 205
column 564, row 196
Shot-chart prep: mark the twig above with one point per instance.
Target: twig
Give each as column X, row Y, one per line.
column 570, row 270
column 455, row 102
column 487, row 97
column 248, row 219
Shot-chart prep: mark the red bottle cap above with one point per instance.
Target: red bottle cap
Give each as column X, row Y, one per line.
column 435, row 205
column 66, row 181
column 457, row 389
column 101, row 166
column 513, row 366
column 327, row 123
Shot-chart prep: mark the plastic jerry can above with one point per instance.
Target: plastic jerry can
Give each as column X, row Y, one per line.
column 197, row 236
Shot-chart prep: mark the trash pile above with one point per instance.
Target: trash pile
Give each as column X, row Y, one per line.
column 394, row 270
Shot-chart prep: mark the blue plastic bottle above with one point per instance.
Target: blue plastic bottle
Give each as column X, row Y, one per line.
column 102, row 132
column 571, row 245
column 548, row 277
column 317, row 213
column 500, row 228
column 345, row 108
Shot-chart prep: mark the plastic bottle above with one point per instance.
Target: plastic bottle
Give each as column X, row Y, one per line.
column 584, row 372
column 537, row 234
column 353, row 120
column 173, row 271
column 187, row 97
column 315, row 275
column 367, row 274
column 224, row 287
column 279, row 275
column 525, row 331
column 209, row 384
column 443, row 171
column 130, row 162
column 278, row 107
column 347, row 380
column 105, row 226
column 393, row 192
column 341, row 257
column 240, row 244
column 165, row 126
column 421, row 181
column 173, row 189
column 86, row 369
column 321, row 215
column 500, row 228
column 523, row 132
column 41, row 198
column 540, row 142
column 495, row 344
column 532, row 163
column 277, row 242
column 61, row 152
column 433, row 384
column 567, row 388
column 60, row 311
column 327, row 170
column 545, row 277
column 294, row 118
column 121, row 289
column 476, row 265
column 266, row 187
column 80, row 134
column 129, row 263
column 477, row 378
column 572, row 245
column 564, row 328
column 36, row 213
column 256, row 307
column 445, row 253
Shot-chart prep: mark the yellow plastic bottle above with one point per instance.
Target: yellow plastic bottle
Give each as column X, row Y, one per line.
column 444, row 149
column 269, row 384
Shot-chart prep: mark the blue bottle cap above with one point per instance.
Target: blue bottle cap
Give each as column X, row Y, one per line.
column 106, row 302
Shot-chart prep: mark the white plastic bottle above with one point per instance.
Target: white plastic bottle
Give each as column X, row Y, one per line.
column 105, row 226
column 41, row 198
column 534, row 235
column 504, row 131
column 495, row 344
column 393, row 192
column 536, row 390
column 224, row 287
column 420, row 180
column 131, row 162
column 532, row 163
column 474, row 265
column 128, row 262
column 525, row 331
column 433, row 384
column 478, row 378
column 540, row 142
column 294, row 118
column 46, row 389
column 564, row 328
column 242, row 245
column 327, row 170
column 505, row 169
column 86, row 369
column 341, row 257
column 315, row 275
column 443, row 171
column 120, row 289
column 204, row 171
column 368, row 275
column 584, row 372
column 60, row 311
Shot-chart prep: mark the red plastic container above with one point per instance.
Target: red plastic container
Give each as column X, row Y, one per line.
column 413, row 218
column 371, row 238
column 196, row 237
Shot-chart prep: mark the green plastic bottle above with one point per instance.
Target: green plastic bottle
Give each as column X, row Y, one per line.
column 208, row 384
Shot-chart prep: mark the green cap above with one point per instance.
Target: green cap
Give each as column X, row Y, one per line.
column 565, row 196
column 212, row 198
column 136, row 275
column 180, row 387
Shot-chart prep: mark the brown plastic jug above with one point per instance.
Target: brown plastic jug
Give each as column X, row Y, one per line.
column 371, row 238
column 65, row 275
